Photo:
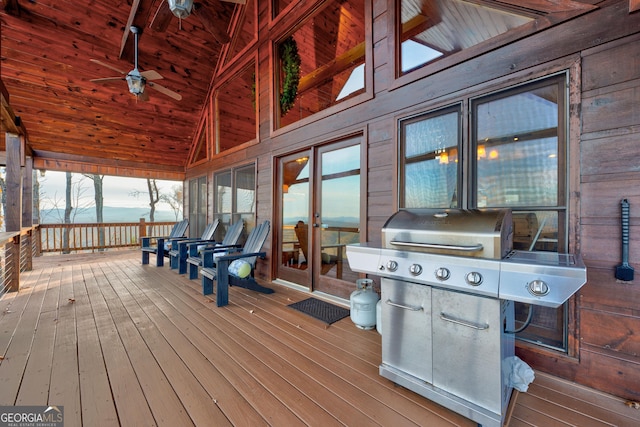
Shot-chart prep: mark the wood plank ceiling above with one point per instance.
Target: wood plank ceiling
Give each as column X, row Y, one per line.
column 47, row 52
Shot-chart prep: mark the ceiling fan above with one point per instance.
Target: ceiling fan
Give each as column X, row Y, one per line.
column 210, row 15
column 137, row 80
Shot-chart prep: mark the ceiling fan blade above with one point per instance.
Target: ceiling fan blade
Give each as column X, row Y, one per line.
column 108, row 79
column 208, row 19
column 165, row 91
column 162, row 18
column 151, row 75
column 111, row 67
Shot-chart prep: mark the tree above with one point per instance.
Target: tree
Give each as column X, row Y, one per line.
column 99, row 200
column 174, row 200
column 67, row 214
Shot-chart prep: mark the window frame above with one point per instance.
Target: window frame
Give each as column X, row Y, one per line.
column 467, row 185
column 229, row 218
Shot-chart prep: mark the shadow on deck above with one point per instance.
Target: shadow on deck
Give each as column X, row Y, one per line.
column 118, row 343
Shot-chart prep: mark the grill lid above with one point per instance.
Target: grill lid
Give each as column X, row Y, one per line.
column 472, row 233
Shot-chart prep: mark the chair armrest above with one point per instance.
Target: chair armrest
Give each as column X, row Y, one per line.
column 221, row 248
column 233, row 257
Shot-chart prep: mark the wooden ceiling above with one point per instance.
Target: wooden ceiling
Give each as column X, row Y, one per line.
column 74, row 123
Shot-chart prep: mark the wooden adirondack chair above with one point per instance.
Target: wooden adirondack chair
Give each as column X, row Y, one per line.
column 219, row 272
column 160, row 249
column 195, row 252
column 179, row 247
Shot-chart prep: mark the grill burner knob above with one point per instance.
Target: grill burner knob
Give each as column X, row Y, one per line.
column 474, row 278
column 442, row 273
column 392, row 265
column 538, row 288
column 415, row 269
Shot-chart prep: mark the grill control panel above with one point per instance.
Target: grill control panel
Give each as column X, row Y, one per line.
column 479, row 277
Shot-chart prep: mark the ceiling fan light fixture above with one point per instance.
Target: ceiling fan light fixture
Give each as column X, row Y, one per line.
column 136, row 82
column 181, row 8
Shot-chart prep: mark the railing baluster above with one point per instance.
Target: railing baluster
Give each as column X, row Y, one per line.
column 86, row 236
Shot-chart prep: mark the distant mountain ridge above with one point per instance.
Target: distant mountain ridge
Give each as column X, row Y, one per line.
column 110, row 214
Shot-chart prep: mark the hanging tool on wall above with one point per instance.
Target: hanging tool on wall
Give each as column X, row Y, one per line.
column 624, row 271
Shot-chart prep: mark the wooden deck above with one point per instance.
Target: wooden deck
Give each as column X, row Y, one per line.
column 119, row 343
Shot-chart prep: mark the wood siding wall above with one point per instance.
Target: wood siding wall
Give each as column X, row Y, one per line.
column 602, row 51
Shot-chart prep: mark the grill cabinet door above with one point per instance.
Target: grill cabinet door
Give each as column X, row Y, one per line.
column 406, row 320
column 467, row 333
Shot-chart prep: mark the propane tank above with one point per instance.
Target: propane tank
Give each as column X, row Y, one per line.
column 363, row 304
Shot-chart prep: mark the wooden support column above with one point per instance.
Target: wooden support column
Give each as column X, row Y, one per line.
column 13, row 215
column 27, row 193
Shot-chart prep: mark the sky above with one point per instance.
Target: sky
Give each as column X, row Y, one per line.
column 117, row 191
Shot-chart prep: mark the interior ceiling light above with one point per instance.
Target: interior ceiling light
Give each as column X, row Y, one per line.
column 181, row 8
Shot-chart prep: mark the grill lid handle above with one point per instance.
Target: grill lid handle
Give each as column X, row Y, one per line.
column 473, row 248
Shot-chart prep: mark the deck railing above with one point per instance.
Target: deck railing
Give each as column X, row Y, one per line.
column 66, row 238
column 16, row 252
column 17, row 249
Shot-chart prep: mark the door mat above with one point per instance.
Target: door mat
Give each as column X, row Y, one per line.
column 321, row 310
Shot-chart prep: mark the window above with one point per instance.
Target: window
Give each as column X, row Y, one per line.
column 197, row 206
column 517, row 141
column 236, row 110
column 235, row 198
column 329, row 51
column 430, row 31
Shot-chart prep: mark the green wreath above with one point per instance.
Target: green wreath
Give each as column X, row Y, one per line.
column 290, row 62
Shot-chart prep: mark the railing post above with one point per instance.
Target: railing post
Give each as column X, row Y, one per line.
column 28, row 264
column 38, row 241
column 142, row 230
column 13, row 266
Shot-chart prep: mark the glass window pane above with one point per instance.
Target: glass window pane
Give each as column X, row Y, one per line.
column 223, row 194
column 434, row 29
column 430, row 150
column 246, row 190
column 328, row 50
column 517, row 150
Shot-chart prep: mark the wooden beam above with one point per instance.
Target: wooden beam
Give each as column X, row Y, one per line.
column 9, row 121
column 101, row 166
column 332, row 68
column 634, row 5
column 138, row 17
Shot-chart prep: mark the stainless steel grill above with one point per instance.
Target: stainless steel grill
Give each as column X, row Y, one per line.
column 448, row 282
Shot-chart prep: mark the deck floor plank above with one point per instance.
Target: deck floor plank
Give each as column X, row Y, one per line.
column 153, row 325
column 16, row 357
column 162, row 400
column 118, row 343
column 238, row 364
column 98, row 405
column 128, row 395
column 65, row 381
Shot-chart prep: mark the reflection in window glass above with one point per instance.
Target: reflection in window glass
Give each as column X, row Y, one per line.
column 434, row 29
column 430, row 155
column 331, row 46
column 340, row 201
column 517, row 150
column 234, row 196
column 236, row 106
column 520, row 164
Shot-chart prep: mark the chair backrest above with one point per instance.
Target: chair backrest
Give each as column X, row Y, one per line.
column 233, row 233
column 179, row 229
column 302, row 233
column 208, row 232
column 255, row 240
